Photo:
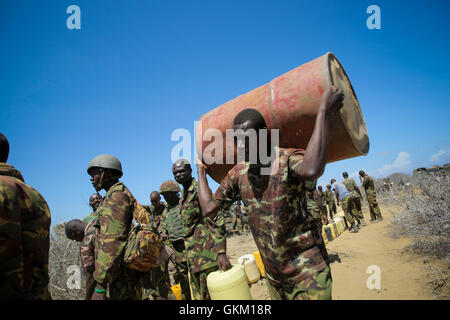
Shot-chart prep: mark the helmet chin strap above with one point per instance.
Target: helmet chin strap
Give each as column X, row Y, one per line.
column 100, row 183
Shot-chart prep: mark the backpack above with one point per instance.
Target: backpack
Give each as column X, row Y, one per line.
column 143, row 248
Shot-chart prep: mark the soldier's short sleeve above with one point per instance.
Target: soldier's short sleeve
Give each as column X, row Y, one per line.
column 115, row 222
column 295, row 160
column 228, row 189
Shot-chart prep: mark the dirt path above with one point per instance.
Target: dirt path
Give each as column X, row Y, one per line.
column 402, row 276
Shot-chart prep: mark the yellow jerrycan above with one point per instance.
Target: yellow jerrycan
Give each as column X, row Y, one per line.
column 229, row 285
column 250, row 268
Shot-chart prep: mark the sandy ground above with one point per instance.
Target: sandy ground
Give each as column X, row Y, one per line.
column 402, row 276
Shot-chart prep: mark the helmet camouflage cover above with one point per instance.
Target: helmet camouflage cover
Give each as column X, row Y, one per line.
column 169, row 186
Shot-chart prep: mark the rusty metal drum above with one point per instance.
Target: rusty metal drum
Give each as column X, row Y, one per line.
column 290, row 103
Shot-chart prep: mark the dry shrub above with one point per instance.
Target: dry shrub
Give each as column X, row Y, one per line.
column 422, row 212
column 63, row 254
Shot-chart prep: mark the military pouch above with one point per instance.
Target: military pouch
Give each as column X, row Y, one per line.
column 144, row 248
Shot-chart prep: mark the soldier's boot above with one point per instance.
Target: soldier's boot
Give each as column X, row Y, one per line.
column 354, row 228
column 363, row 223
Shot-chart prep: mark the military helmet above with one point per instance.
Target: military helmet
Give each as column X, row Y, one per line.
column 105, row 161
column 169, row 186
column 328, row 186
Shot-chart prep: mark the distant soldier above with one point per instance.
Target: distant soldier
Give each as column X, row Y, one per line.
column 322, row 205
column 344, row 198
column 329, row 199
column 172, row 229
column 94, row 202
column 85, row 233
column 24, row 235
column 115, row 214
column 156, row 208
column 369, row 187
column 205, row 238
column 351, row 186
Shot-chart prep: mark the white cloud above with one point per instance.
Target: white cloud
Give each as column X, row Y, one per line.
column 401, row 164
column 439, row 156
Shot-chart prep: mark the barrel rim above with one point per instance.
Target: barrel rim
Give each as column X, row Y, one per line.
column 330, row 57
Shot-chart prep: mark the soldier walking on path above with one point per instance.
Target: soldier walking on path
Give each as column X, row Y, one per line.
column 331, row 203
column 115, row 214
column 204, row 238
column 287, row 235
column 369, row 187
column 351, row 186
column 322, row 205
column 344, row 197
column 237, row 218
column 172, row 231
column 24, row 235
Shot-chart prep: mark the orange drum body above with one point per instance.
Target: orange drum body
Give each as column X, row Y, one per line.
column 290, row 103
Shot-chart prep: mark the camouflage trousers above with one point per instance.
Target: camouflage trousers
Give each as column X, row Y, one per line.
column 316, row 287
column 374, row 209
column 181, row 275
column 347, row 206
column 357, row 212
column 127, row 286
column 199, row 288
column 331, row 209
column 156, row 284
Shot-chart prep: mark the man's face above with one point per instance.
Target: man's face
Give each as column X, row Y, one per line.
column 155, row 199
column 320, row 188
column 76, row 235
column 171, row 197
column 96, row 174
column 181, row 173
column 242, row 140
column 94, row 201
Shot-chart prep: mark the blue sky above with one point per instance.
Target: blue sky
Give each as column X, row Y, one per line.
column 137, row 70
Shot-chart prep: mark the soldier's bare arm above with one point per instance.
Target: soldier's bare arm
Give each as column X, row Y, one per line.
column 208, row 206
column 316, row 154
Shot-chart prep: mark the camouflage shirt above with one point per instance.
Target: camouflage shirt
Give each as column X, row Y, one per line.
column 283, row 228
column 351, row 186
column 115, row 215
column 156, row 213
column 87, row 253
column 91, row 216
column 24, row 238
column 329, row 197
column 204, row 237
column 368, row 183
column 172, row 224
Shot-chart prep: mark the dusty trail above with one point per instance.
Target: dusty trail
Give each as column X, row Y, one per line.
column 402, row 276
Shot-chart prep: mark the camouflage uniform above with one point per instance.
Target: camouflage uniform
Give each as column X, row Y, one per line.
column 204, row 239
column 87, row 245
column 90, row 217
column 156, row 213
column 329, row 199
column 172, row 226
column 87, row 254
column 237, row 219
column 24, row 238
column 285, row 231
column 115, row 215
column 369, row 187
column 351, row 186
column 156, row 282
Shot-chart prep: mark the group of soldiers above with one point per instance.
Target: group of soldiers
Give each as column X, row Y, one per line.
column 282, row 216
column 349, row 197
